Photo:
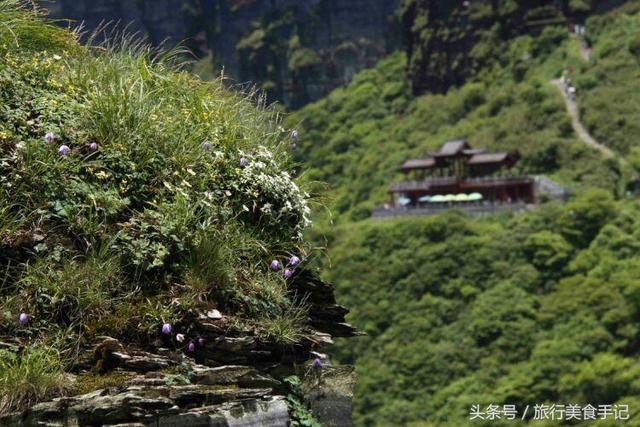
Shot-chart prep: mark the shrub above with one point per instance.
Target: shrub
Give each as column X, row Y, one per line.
column 547, row 251
column 584, row 217
column 606, row 378
column 579, row 6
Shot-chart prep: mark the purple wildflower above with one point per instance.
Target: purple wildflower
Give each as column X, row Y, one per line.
column 294, row 135
column 294, row 261
column 191, row 347
column 93, row 146
column 50, row 137
column 24, row 319
column 179, row 337
column 287, row 273
column 294, row 146
column 166, row 329
column 64, row 150
column 206, row 146
column 317, row 363
column 243, row 162
column 201, row 342
column 275, row 265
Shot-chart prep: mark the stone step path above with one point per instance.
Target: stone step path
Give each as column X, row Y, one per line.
column 578, row 127
column 585, row 50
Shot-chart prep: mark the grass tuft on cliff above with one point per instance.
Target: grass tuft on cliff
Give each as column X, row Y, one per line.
column 131, row 193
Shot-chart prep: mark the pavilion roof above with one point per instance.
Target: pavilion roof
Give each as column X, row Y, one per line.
column 451, row 148
column 418, row 164
column 484, row 158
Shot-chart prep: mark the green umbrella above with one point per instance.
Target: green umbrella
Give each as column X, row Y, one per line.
column 462, row 197
column 449, row 198
column 474, row 196
column 424, row 199
column 438, row 198
column 404, row 201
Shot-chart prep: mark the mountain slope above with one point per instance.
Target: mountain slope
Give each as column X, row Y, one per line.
column 538, row 309
column 608, row 86
column 530, row 309
column 357, row 137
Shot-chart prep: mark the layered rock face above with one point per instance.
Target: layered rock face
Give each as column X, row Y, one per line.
column 230, row 379
column 297, row 51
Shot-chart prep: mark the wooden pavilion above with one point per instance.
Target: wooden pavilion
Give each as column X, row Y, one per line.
column 459, row 169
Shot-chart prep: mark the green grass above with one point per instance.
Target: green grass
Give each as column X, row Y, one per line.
column 77, row 289
column 286, row 327
column 36, row 374
column 25, row 31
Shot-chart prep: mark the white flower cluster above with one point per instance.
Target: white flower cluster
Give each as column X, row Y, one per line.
column 281, row 196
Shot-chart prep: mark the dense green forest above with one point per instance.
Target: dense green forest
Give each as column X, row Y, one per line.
column 526, row 309
column 539, row 308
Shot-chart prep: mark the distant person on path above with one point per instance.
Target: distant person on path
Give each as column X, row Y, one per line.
column 566, row 81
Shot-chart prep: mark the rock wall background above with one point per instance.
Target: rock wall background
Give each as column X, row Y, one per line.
column 296, row 50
